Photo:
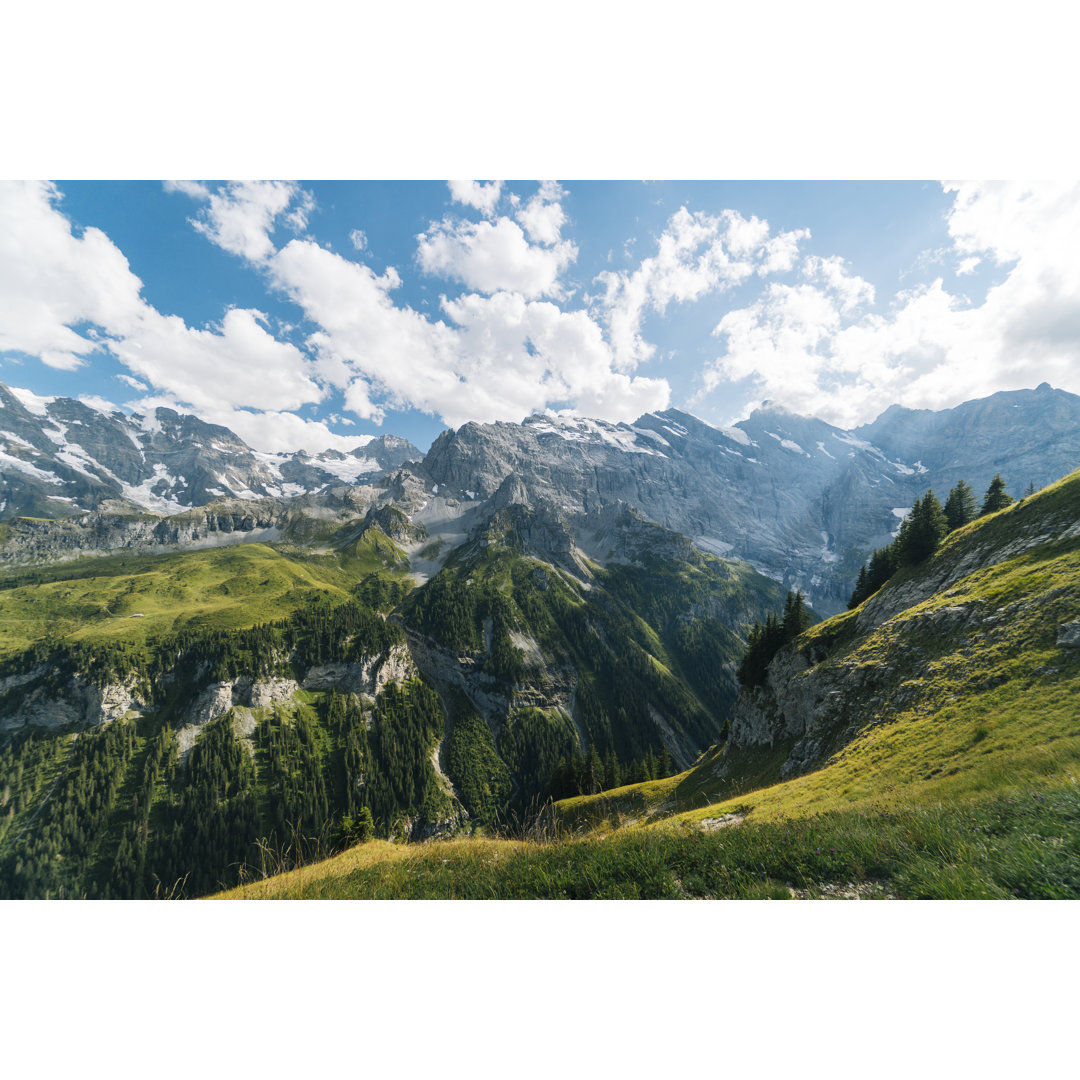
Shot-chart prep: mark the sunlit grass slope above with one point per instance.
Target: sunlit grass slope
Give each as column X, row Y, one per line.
column 133, row 598
column 1021, row 846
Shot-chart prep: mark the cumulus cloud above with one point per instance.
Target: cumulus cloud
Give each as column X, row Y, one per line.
column 52, row 281
column 482, row 197
column 240, row 216
column 500, row 352
column 239, row 362
column 515, row 353
column 783, row 341
column 494, row 256
column 273, row 431
column 820, row 347
column 696, row 254
column 543, row 216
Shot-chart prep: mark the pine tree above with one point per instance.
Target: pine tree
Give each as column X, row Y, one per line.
column 365, row 825
column 612, row 773
column 664, row 764
column 861, row 591
column 960, row 506
column 922, row 530
column 997, row 498
column 796, row 617
column 594, row 771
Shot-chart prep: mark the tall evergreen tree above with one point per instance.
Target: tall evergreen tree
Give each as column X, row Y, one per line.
column 997, row 498
column 796, row 617
column 861, row 591
column 922, row 530
column 594, row 771
column 961, row 506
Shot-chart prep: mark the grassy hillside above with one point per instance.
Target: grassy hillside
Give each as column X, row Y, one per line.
column 126, row 810
column 133, row 598
column 995, row 847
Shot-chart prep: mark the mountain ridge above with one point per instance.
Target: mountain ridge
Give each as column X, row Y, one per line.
column 802, row 501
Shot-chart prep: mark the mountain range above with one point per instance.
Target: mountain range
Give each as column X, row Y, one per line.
column 802, row 501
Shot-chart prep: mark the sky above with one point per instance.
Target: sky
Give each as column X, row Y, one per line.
column 305, row 314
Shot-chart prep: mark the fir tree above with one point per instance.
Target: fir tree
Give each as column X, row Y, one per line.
column 997, row 498
column 961, row 506
column 365, row 825
column 612, row 773
column 594, row 771
column 861, row 591
column 921, row 531
column 796, row 617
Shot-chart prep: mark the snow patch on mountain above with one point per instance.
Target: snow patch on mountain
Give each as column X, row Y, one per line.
column 650, row 434
column 737, row 435
column 787, row 444
column 8, row 461
column 349, row 469
column 144, row 496
column 31, row 402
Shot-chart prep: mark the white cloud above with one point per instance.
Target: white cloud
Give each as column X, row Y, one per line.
column 132, row 382
column 52, row 281
column 818, row 348
column 543, row 216
column 493, row 256
column 505, row 354
column 359, row 239
column 696, row 254
column 482, row 197
column 285, row 432
column 192, row 188
column 240, row 216
column 239, row 364
column 518, row 356
column 273, row 431
column 503, row 358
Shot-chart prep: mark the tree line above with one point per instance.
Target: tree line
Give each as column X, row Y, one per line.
column 926, row 525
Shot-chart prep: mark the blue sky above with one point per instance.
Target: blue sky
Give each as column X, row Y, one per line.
column 305, row 314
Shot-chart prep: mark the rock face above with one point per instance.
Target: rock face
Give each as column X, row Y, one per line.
column 218, row 698
column 42, row 698
column 367, row 678
column 79, row 702
column 31, row 541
